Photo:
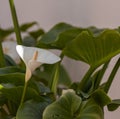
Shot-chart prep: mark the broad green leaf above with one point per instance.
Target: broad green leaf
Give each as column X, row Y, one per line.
column 101, row 97
column 114, row 105
column 63, row 108
column 14, row 94
column 38, row 86
column 90, row 110
column 12, row 78
column 71, row 106
column 65, row 37
column 11, row 69
column 96, row 31
column 50, row 37
column 31, row 110
column 44, row 74
column 94, row 50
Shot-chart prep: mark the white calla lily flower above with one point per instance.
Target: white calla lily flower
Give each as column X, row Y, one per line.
column 34, row 57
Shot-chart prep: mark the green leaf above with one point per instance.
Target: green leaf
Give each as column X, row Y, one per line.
column 94, row 50
column 71, row 106
column 90, row 110
column 96, row 31
column 63, row 108
column 14, row 94
column 44, row 74
column 24, row 27
column 64, row 78
column 114, row 105
column 11, row 69
column 9, row 61
column 12, row 78
column 5, row 32
column 37, row 33
column 38, row 86
column 50, row 37
column 31, row 110
column 29, row 41
column 66, row 36
column 101, row 97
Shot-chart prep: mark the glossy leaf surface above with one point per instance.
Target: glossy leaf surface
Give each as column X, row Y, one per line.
column 50, row 37
column 94, row 50
column 31, row 110
column 71, row 106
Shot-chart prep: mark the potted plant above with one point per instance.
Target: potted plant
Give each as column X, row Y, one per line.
column 39, row 87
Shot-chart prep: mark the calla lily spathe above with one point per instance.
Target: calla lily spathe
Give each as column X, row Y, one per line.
column 34, row 57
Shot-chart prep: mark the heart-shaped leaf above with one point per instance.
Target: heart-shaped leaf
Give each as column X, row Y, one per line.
column 66, row 36
column 14, row 94
column 90, row 110
column 94, row 50
column 71, row 106
column 31, row 110
column 51, row 36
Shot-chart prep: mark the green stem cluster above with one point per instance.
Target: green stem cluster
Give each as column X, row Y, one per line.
column 86, row 78
column 101, row 74
column 111, row 77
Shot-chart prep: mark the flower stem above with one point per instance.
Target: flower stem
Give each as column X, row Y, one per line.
column 2, row 59
column 15, row 22
column 55, row 78
column 23, row 94
column 111, row 77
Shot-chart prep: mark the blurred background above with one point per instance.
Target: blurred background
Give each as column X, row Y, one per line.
column 83, row 13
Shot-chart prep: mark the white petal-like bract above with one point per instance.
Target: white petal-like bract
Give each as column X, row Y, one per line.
column 34, row 57
column 44, row 56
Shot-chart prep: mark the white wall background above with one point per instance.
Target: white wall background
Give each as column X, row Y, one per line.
column 100, row 13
